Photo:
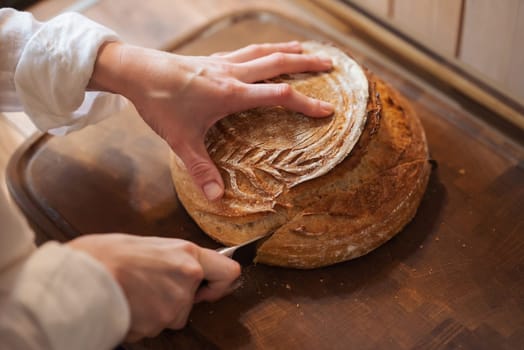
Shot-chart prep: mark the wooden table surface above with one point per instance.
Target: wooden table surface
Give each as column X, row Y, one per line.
column 454, row 277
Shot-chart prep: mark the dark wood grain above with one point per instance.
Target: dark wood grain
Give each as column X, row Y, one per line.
column 452, row 278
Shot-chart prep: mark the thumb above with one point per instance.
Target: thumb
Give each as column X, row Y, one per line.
column 202, row 170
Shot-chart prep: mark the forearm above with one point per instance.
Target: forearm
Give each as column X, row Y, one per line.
column 107, row 72
column 16, row 28
column 45, row 69
column 62, row 299
column 138, row 73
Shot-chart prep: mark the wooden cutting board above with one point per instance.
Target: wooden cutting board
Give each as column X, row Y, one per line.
column 453, row 277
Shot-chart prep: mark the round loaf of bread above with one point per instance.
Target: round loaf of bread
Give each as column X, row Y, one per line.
column 328, row 189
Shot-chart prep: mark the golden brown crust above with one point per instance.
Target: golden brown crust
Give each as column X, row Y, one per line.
column 350, row 224
column 357, row 206
column 364, row 201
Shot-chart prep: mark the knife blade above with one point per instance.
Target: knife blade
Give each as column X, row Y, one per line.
column 244, row 253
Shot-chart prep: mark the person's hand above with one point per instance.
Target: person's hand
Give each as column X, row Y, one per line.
column 160, row 277
column 181, row 97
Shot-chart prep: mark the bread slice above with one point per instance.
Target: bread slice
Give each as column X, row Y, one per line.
column 329, row 189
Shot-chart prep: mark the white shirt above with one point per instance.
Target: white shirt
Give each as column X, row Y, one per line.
column 54, row 297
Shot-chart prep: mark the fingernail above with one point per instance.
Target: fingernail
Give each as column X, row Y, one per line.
column 326, row 61
column 212, row 190
column 295, row 45
column 326, row 107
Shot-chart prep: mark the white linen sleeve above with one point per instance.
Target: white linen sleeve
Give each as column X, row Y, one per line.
column 63, row 299
column 46, row 68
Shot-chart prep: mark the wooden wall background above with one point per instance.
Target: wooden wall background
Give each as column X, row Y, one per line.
column 486, row 36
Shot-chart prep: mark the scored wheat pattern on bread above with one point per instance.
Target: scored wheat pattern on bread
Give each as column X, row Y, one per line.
column 259, row 163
